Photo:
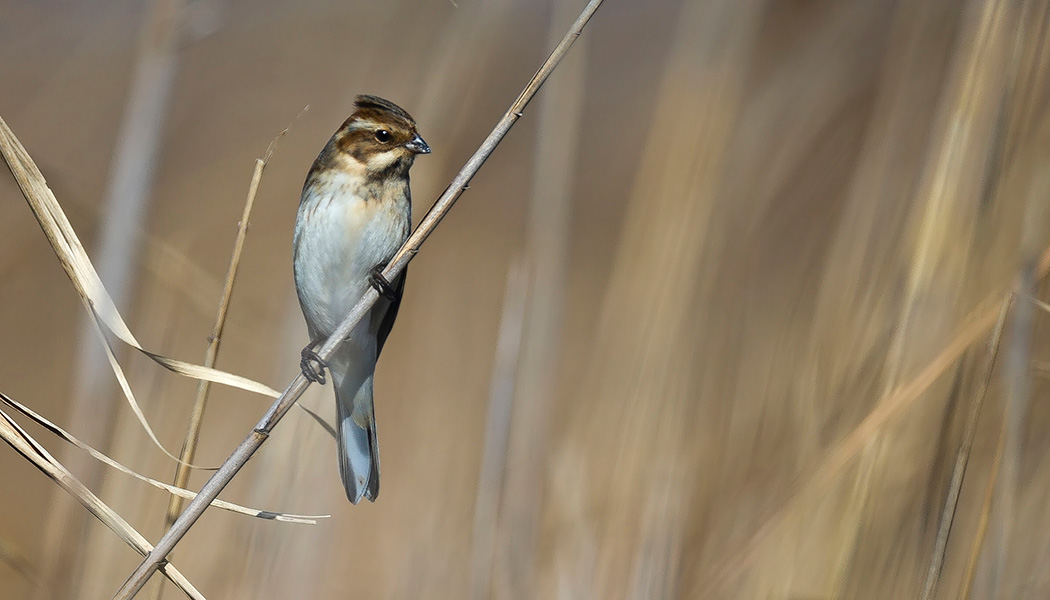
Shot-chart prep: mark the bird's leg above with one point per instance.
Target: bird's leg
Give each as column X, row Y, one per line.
column 311, row 364
column 380, row 283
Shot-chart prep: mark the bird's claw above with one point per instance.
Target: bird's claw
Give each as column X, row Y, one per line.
column 312, row 365
column 380, row 283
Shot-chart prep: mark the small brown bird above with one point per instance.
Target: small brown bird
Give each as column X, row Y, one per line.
column 354, row 213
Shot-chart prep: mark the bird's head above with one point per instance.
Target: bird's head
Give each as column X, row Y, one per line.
column 379, row 137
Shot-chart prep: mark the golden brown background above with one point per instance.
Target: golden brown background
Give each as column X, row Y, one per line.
column 724, row 233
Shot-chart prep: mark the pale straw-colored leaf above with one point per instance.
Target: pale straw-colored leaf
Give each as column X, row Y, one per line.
column 184, row 493
column 78, row 267
column 25, row 445
column 71, row 254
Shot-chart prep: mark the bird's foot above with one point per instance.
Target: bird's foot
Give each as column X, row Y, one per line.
column 312, row 365
column 379, row 282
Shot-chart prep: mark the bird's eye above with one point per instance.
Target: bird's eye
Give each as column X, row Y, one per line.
column 382, row 136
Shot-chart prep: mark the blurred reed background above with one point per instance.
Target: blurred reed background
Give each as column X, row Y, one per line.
column 635, row 361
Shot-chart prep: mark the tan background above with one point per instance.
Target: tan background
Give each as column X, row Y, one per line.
column 752, row 220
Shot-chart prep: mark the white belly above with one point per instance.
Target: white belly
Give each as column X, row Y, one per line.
column 339, row 238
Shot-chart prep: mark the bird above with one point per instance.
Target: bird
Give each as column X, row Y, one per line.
column 355, row 212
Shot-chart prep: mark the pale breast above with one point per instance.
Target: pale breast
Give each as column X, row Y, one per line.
column 344, row 230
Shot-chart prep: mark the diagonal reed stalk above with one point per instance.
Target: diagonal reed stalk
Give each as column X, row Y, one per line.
column 962, row 460
column 24, row 444
column 981, row 531
column 295, row 389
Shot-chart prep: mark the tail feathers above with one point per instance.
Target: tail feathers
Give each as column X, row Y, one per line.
column 358, row 447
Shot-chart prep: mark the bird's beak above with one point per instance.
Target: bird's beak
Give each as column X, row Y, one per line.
column 418, row 146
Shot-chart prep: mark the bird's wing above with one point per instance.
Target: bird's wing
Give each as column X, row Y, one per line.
column 391, row 312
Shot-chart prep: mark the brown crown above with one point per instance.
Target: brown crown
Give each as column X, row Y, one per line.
column 364, row 102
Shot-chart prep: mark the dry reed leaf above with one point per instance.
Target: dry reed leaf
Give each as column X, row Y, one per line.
column 25, row 445
column 78, row 267
column 93, row 294
column 211, row 354
column 125, row 387
column 237, row 508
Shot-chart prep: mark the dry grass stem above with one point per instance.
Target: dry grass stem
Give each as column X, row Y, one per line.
column 71, row 254
column 200, row 402
column 962, row 460
column 74, row 260
column 211, row 354
column 180, row 492
column 25, row 445
column 1018, row 390
column 981, row 531
column 262, row 430
column 937, row 266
